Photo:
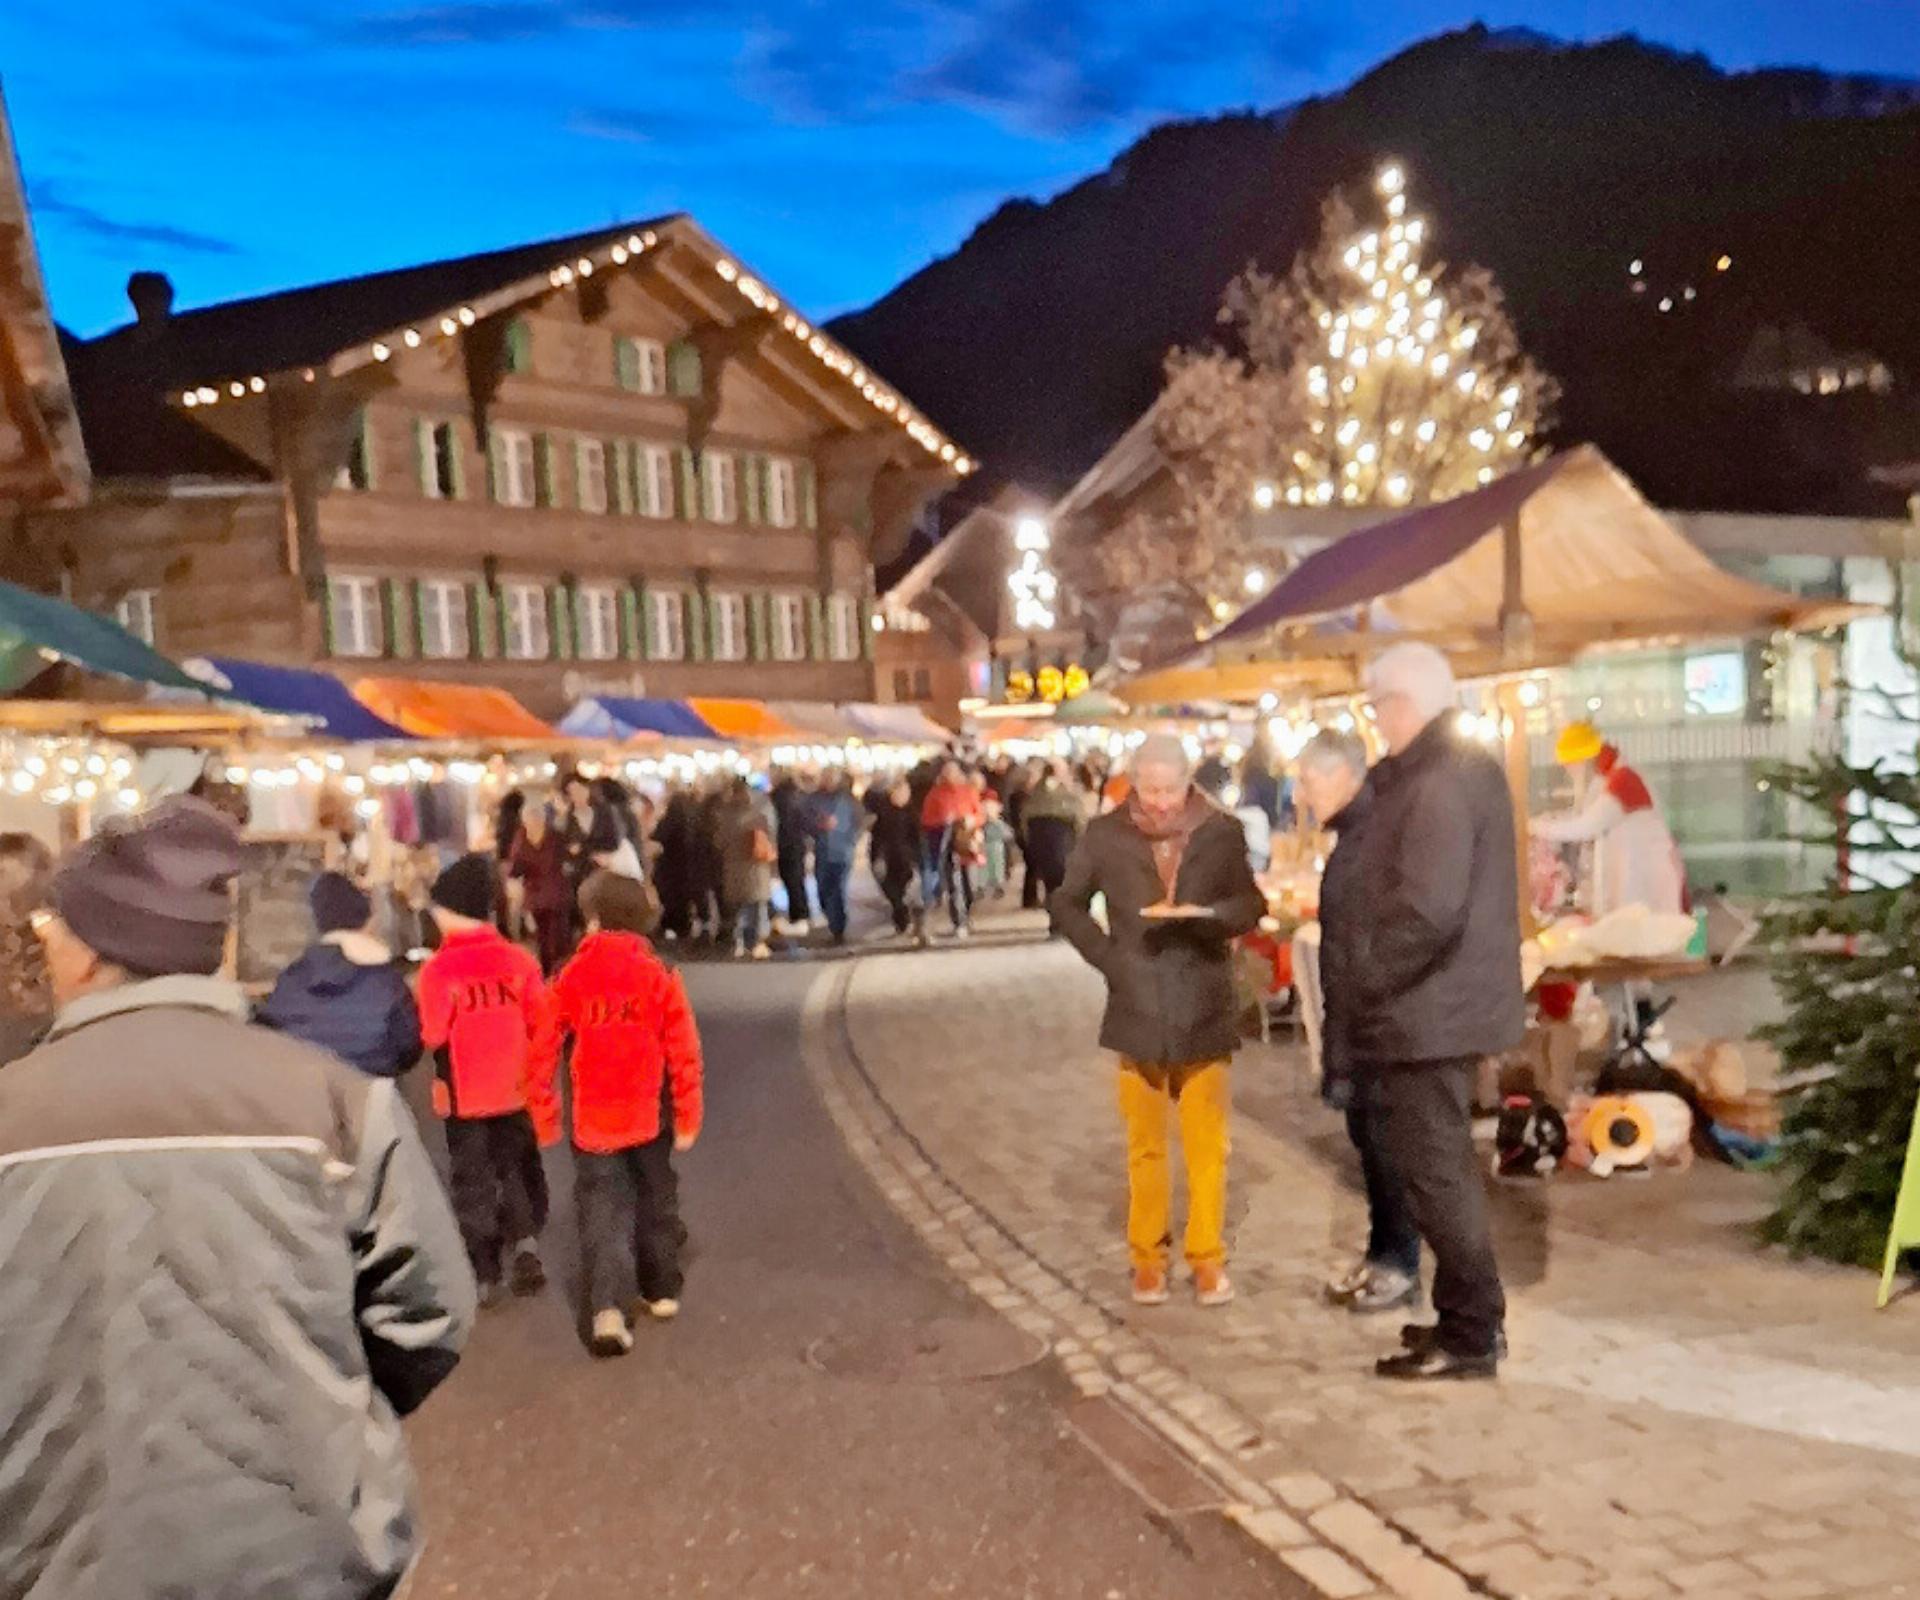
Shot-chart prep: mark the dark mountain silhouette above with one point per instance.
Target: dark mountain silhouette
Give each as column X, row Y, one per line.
column 1554, row 165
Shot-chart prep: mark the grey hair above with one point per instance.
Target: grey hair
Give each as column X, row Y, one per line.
column 1417, row 671
column 1162, row 750
column 1329, row 748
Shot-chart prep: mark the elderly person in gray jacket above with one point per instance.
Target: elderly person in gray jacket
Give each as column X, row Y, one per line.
column 226, row 1266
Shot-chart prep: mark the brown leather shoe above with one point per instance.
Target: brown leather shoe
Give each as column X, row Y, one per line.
column 1149, row 1286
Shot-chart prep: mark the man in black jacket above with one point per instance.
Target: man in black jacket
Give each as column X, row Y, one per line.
column 1435, row 988
column 1173, row 869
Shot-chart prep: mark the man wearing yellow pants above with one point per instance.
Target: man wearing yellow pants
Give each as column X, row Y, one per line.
column 1173, row 870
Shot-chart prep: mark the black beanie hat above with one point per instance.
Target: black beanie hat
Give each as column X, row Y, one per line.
column 152, row 893
column 466, row 888
column 339, row 905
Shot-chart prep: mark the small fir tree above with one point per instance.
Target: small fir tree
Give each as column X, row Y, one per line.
column 1846, row 963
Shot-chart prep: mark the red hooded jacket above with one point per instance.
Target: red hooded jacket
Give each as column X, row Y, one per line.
column 484, row 1012
column 632, row 1029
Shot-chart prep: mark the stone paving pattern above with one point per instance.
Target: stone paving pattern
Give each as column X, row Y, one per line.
column 1683, row 1415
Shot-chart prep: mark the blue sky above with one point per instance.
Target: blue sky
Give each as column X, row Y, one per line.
column 835, row 144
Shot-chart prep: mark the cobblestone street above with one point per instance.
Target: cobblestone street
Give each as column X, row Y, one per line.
column 1683, row 1415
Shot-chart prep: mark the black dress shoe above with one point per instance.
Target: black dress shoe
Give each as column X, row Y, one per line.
column 1434, row 1365
column 1422, row 1336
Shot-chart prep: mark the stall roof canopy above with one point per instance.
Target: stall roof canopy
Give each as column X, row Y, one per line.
column 322, row 701
column 451, row 710
column 57, row 629
column 896, row 724
column 1599, row 565
column 618, row 718
column 742, row 719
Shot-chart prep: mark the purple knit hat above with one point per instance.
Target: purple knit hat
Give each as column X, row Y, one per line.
column 152, row 893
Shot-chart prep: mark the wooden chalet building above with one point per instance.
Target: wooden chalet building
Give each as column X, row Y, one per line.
column 42, row 461
column 611, row 463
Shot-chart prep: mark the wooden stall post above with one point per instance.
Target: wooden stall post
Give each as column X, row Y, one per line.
column 1516, row 651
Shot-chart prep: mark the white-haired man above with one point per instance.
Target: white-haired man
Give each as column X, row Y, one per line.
column 1435, row 987
column 1173, row 869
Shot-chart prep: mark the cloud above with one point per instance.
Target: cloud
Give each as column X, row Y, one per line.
column 623, row 126
column 477, row 22
column 48, row 202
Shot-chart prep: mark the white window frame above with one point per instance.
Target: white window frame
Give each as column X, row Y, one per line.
column 787, row 626
column 843, row 627
column 136, row 612
column 445, row 619
column 652, row 357
column 721, row 470
column 656, row 481
column 590, row 475
column 596, row 612
column 516, row 467
column 783, row 492
column 357, row 619
column 728, row 612
column 430, row 484
column 526, row 624
column 666, row 625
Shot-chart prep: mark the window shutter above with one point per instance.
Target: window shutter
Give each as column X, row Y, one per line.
column 863, row 619
column 643, row 604
column 476, row 621
column 689, row 486
column 630, row 649
column 696, row 603
column 495, row 477
column 417, row 592
column 626, row 363
column 817, row 627
column 620, row 474
column 546, row 475
column 519, row 346
column 757, row 643
column 684, row 377
column 560, row 639
column 326, row 616
column 752, row 504
column 394, row 612
column 363, row 422
column 423, row 457
column 457, row 450
column 809, row 505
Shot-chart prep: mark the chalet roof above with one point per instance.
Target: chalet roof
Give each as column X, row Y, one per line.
column 228, row 353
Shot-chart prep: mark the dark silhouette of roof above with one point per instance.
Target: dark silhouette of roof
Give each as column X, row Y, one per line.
column 303, row 327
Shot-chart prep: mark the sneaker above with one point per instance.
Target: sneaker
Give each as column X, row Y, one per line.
column 1386, row 1289
column 611, row 1335
column 1212, row 1286
column 1149, row 1286
column 800, row 929
column 528, row 1276
column 963, row 932
column 664, row 1310
column 762, row 951
column 1343, row 1286
column 739, row 952
column 492, row 1293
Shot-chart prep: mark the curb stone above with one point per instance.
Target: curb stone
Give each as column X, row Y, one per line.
column 1356, row 1551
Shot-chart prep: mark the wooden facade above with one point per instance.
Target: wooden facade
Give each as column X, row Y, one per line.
column 640, row 479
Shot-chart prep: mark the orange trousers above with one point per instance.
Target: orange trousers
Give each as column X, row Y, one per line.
column 1148, row 1095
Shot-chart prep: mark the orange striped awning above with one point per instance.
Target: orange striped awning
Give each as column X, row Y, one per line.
column 450, row 710
column 746, row 719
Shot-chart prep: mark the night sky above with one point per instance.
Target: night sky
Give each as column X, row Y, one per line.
column 836, row 145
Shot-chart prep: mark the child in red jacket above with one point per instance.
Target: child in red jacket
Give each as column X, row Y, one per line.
column 635, row 1045
column 484, row 1014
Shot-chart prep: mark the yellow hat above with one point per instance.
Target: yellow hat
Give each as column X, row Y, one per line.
column 1578, row 741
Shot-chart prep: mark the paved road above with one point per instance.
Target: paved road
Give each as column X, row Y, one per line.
column 718, row 1459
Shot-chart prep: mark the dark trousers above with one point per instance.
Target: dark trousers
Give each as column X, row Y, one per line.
column 1425, row 1118
column 933, row 854
column 957, row 885
column 630, row 1232
column 1392, row 1238
column 793, row 877
column 499, row 1186
column 553, row 937
column 896, row 883
column 830, row 878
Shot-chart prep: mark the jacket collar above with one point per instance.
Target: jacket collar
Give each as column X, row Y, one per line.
column 1433, row 741
column 359, row 947
column 182, row 991
column 1354, row 812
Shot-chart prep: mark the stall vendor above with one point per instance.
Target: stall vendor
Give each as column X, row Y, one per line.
column 1635, row 861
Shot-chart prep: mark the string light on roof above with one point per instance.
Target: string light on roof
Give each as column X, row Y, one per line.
column 1723, row 264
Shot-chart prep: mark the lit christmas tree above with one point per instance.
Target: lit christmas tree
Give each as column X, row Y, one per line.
column 1370, row 375
column 1399, row 381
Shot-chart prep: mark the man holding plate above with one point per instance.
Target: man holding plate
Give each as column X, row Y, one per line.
column 1172, row 868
